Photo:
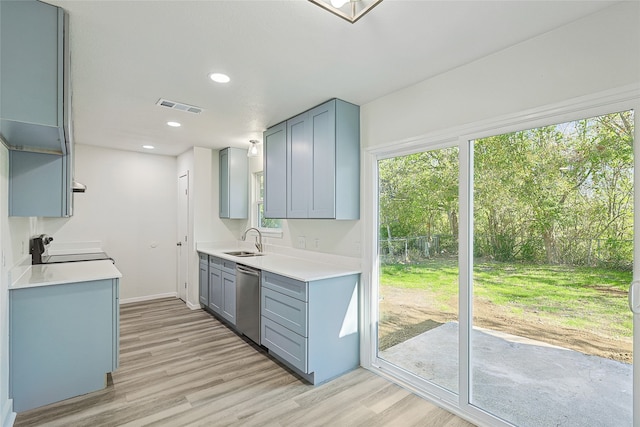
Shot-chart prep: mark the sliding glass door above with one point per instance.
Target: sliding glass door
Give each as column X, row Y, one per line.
column 418, row 248
column 551, row 342
column 535, row 330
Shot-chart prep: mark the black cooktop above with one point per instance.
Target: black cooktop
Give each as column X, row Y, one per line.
column 95, row 256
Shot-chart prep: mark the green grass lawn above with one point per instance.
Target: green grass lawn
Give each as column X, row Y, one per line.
column 580, row 297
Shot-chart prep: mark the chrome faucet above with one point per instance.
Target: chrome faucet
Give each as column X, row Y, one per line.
column 258, row 242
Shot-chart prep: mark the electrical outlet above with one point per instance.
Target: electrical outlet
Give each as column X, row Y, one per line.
column 302, row 242
column 357, row 247
column 316, row 243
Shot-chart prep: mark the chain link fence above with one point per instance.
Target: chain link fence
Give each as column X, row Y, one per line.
column 416, row 248
column 584, row 252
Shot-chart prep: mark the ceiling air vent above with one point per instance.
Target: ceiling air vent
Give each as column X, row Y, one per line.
column 179, row 106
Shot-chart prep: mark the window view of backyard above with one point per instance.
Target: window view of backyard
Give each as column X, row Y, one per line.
column 552, row 256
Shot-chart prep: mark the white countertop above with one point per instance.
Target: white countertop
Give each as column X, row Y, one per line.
column 293, row 267
column 66, row 272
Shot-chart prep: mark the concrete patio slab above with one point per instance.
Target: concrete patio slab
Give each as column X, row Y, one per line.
column 526, row 382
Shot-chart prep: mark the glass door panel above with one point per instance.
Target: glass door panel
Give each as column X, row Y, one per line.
column 418, row 251
column 551, row 338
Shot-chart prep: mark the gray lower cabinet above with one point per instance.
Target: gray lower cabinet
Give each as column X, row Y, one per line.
column 222, row 288
column 204, row 278
column 63, row 340
column 311, row 326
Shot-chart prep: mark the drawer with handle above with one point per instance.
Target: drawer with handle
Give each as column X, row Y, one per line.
column 288, row 345
column 285, row 285
column 288, row 312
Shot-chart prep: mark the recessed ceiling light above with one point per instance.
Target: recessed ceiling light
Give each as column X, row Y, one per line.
column 219, row 78
column 148, row 147
column 174, row 124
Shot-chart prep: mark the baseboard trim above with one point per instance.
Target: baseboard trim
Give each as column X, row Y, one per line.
column 148, row 297
column 8, row 416
column 193, row 306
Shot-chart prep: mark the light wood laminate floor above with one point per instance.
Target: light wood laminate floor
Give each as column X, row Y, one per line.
column 182, row 367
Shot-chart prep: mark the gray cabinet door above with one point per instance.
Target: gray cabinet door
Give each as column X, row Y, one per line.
column 234, row 183
column 323, row 180
column 229, row 297
column 224, row 183
column 275, row 171
column 204, row 282
column 32, row 45
column 299, row 151
column 32, row 38
column 347, row 160
column 38, row 184
column 215, row 290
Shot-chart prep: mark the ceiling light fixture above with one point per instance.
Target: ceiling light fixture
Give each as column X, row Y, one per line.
column 355, row 10
column 219, row 78
column 174, row 124
column 253, row 149
column 148, row 147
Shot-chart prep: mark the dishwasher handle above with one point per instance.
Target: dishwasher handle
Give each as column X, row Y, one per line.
column 247, row 270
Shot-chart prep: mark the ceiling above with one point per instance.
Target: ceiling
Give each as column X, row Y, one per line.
column 283, row 57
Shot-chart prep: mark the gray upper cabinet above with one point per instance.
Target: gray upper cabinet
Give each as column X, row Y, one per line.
column 35, row 108
column 234, row 183
column 34, row 76
column 322, row 163
column 39, row 184
column 275, row 175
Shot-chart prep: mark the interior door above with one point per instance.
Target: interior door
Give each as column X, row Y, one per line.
column 183, row 249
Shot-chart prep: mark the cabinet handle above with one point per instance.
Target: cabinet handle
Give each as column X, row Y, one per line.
column 634, row 301
column 247, row 271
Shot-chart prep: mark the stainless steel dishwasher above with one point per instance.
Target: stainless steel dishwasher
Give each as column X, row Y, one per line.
column 248, row 302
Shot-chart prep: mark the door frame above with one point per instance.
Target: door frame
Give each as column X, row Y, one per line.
column 182, row 248
column 625, row 98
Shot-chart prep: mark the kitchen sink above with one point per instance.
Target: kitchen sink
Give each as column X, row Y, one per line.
column 243, row 253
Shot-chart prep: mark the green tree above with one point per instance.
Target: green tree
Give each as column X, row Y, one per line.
column 556, row 194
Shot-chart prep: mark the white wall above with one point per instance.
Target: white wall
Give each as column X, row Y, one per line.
column 202, row 164
column 129, row 206
column 590, row 55
column 326, row 236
